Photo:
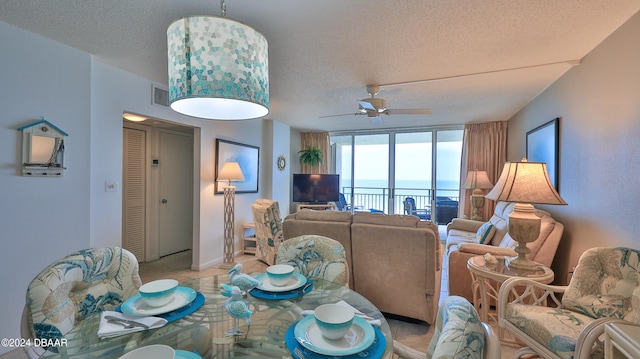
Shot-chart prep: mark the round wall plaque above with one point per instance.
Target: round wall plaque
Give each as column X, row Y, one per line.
column 281, row 162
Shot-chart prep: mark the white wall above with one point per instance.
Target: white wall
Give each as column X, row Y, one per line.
column 40, row 220
column 44, row 219
column 599, row 106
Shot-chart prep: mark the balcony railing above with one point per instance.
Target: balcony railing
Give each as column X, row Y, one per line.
column 377, row 199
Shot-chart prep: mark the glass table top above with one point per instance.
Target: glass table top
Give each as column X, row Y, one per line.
column 206, row 331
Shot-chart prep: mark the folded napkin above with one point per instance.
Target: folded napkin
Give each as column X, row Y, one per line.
column 110, row 329
column 358, row 313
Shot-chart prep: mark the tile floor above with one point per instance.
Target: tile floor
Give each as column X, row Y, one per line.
column 178, row 266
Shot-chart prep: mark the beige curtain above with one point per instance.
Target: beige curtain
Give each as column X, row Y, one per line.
column 320, row 140
column 484, row 147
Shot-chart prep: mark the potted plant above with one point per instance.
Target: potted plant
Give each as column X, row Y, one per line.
column 311, row 155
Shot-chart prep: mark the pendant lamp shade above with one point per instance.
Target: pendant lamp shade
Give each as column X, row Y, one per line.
column 218, row 69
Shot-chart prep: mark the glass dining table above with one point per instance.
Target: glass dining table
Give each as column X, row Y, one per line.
column 207, row 330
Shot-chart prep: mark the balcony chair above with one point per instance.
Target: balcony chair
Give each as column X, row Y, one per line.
column 459, row 333
column 268, row 223
column 446, row 210
column 568, row 321
column 342, row 204
column 410, row 209
column 316, row 256
column 69, row 290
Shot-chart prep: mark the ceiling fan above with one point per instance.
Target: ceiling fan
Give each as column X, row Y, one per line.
column 374, row 107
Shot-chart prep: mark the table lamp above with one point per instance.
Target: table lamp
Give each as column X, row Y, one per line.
column 524, row 183
column 230, row 172
column 477, row 181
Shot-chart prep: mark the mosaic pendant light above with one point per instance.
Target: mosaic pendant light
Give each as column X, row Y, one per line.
column 218, row 69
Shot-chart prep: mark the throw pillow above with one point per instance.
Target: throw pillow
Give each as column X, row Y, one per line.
column 485, row 233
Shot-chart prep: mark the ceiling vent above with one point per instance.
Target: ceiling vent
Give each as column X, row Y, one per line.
column 159, row 96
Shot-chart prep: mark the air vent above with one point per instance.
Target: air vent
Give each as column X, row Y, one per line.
column 160, row 96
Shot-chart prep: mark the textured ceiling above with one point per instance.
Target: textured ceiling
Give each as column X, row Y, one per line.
column 322, row 54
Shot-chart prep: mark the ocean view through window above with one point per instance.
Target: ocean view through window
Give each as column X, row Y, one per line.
column 378, row 172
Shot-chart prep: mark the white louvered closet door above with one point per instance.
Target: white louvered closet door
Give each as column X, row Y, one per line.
column 133, row 192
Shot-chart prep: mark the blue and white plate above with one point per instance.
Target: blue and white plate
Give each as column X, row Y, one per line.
column 183, row 354
column 359, row 337
column 296, row 281
column 290, row 294
column 136, row 305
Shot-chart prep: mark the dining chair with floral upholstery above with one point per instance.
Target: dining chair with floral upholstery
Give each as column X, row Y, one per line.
column 83, row 283
column 568, row 321
column 315, row 256
column 268, row 224
column 459, row 333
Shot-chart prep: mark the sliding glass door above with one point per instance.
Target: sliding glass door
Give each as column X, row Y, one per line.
column 380, row 172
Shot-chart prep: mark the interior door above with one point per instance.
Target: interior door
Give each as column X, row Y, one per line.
column 175, row 192
column 133, row 192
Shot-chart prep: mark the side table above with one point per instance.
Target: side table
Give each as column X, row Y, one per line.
column 621, row 341
column 487, row 278
column 248, row 239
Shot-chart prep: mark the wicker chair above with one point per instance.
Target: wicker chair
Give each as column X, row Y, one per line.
column 459, row 333
column 568, row 321
column 268, row 223
column 79, row 285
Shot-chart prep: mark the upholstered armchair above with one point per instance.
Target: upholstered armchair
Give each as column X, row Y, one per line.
column 568, row 322
column 79, row 285
column 268, row 223
column 316, row 256
column 459, row 333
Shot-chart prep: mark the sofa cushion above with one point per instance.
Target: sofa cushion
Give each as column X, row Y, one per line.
column 485, row 233
column 555, row 328
column 329, row 216
column 499, row 220
column 394, row 220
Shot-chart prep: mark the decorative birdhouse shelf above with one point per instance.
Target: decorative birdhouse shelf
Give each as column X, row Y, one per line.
column 42, row 149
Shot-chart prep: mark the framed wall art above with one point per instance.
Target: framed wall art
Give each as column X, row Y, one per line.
column 543, row 146
column 247, row 157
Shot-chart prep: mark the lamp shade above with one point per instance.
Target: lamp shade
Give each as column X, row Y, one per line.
column 230, row 172
column 526, row 182
column 218, row 69
column 477, row 179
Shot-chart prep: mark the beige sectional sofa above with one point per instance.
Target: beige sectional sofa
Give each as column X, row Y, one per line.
column 394, row 260
column 461, row 244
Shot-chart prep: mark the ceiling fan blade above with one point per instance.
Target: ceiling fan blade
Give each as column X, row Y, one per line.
column 409, row 111
column 342, row 114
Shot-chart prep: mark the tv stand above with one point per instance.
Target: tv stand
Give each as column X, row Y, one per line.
column 315, row 206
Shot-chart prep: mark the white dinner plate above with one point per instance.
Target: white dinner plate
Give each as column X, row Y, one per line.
column 359, row 337
column 296, row 281
column 136, row 305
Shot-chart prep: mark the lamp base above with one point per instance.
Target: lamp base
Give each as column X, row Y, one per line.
column 229, row 252
column 522, row 263
column 477, row 201
column 524, row 227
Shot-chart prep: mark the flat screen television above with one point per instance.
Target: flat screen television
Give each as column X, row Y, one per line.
column 316, row 188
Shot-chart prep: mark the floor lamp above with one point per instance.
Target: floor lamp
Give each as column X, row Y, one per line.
column 230, row 172
column 477, row 181
column 524, row 183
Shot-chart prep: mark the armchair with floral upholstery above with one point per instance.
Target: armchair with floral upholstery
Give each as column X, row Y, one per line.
column 459, row 333
column 81, row 284
column 568, row 321
column 316, row 256
column 268, row 223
